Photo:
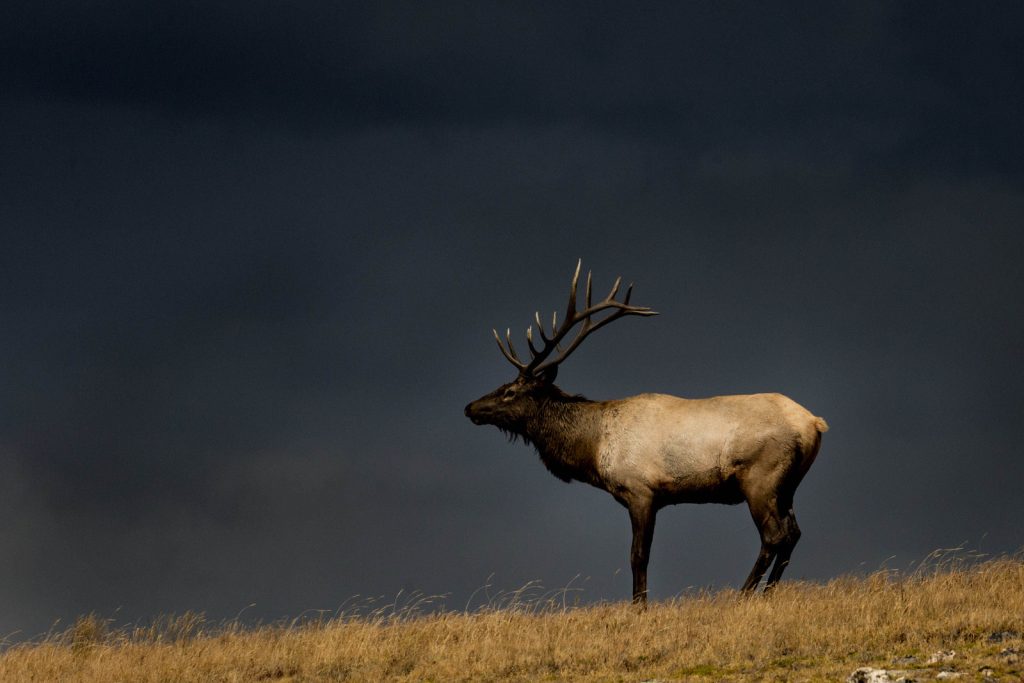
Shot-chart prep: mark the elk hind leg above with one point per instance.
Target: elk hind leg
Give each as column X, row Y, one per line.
column 771, row 527
column 791, row 535
column 761, row 564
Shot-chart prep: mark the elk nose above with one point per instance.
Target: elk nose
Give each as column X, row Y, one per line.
column 470, row 414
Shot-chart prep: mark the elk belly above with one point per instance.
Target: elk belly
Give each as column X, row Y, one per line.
column 693, row 472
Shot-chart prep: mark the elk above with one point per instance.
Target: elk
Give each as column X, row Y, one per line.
column 653, row 450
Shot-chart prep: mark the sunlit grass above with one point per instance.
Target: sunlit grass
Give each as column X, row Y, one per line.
column 803, row 631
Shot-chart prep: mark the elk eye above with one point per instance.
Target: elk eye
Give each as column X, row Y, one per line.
column 509, row 394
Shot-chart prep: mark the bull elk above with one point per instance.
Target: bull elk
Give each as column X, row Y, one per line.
column 653, row 450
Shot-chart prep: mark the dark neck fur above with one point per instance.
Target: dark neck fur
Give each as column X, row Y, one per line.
column 565, row 430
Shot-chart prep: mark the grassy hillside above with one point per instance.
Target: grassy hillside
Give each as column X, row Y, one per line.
column 804, row 631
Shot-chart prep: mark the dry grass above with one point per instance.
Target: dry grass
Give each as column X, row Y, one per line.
column 803, row 631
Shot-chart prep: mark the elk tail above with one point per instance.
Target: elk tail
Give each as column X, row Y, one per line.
column 820, row 425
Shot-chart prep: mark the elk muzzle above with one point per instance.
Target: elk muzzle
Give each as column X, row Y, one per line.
column 473, row 413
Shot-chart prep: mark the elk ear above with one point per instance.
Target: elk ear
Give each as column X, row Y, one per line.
column 549, row 374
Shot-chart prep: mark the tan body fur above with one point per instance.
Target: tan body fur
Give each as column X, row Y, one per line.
column 700, row 450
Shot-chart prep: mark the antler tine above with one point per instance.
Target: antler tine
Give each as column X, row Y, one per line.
column 615, row 289
column 571, row 312
column 511, row 359
column 540, row 327
column 529, row 338
column 586, row 317
column 622, row 310
column 573, row 317
column 511, row 349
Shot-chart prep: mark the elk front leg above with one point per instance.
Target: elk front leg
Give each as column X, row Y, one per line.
column 641, row 516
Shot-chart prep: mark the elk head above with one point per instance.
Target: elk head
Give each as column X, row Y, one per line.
column 511, row 406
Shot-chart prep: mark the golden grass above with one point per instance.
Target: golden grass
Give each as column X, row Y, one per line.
column 803, row 631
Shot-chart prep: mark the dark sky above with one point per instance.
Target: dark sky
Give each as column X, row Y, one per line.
column 252, row 253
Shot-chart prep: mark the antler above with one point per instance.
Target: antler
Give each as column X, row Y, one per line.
column 572, row 318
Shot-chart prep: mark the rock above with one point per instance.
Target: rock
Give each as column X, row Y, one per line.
column 941, row 656
column 866, row 674
column 947, row 675
column 1000, row 636
column 1010, row 655
column 904, row 661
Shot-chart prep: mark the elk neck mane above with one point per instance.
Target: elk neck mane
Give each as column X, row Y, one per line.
column 564, row 431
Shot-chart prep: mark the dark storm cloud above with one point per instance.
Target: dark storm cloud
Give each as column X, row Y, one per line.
column 252, row 256
column 939, row 82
